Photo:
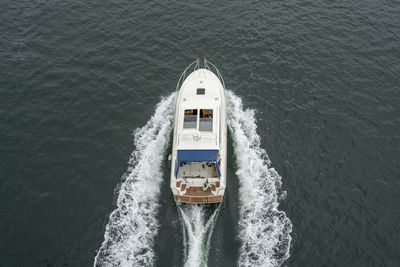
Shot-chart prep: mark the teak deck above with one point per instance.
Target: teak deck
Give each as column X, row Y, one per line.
column 197, row 195
column 197, row 191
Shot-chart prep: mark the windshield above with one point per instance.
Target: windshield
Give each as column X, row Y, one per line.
column 206, row 120
column 190, row 119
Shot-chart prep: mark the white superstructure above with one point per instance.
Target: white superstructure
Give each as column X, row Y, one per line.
column 198, row 162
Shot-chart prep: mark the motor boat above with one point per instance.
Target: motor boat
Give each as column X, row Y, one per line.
column 198, row 159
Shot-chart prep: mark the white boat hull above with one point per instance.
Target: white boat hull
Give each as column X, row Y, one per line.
column 198, row 159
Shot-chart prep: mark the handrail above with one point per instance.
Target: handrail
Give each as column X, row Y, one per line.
column 206, row 62
column 195, row 65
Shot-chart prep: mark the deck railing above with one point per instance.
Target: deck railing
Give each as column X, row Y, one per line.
column 195, row 65
column 192, row 67
column 208, row 65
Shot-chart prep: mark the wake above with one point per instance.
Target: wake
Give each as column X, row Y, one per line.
column 197, row 228
column 264, row 230
column 132, row 227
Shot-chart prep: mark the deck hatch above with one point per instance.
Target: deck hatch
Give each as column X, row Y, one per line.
column 201, row 91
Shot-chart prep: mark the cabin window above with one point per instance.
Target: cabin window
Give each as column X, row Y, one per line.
column 190, row 119
column 206, row 120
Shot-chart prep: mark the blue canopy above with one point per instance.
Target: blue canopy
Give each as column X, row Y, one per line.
column 197, row 156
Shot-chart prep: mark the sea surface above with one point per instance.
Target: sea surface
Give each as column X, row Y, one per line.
column 86, row 109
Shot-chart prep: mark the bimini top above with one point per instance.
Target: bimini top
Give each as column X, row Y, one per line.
column 197, row 155
column 185, row 156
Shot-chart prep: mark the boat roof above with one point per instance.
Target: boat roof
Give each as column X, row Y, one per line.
column 202, row 89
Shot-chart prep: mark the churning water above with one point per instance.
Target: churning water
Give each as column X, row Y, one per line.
column 197, row 228
column 319, row 86
column 264, row 230
column 130, row 232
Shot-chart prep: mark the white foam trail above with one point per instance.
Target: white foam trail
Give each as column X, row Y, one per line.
column 197, row 232
column 130, row 232
column 264, row 230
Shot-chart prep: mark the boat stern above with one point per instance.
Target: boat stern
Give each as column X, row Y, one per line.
column 194, row 193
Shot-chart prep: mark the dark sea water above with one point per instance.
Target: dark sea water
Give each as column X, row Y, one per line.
column 320, row 86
